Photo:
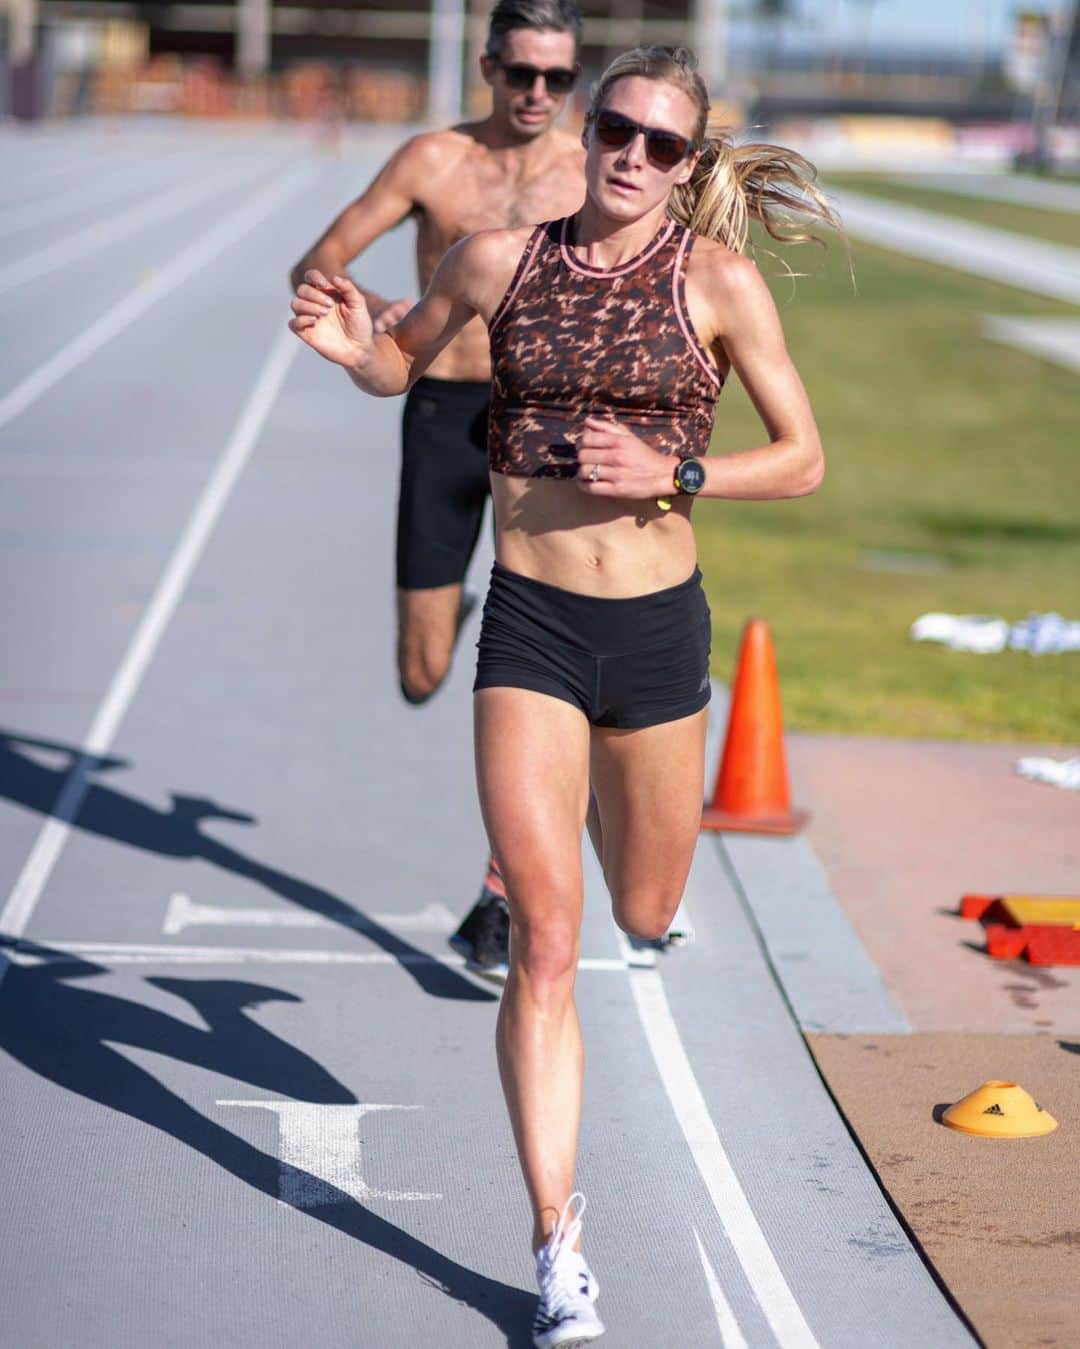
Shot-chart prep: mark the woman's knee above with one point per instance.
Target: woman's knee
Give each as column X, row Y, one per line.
column 544, row 947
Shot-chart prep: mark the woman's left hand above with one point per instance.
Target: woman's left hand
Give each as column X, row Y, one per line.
column 613, row 462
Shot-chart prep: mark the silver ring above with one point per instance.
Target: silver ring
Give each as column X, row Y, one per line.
column 595, row 474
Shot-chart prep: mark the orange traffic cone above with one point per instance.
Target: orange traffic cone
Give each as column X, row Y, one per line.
column 752, row 791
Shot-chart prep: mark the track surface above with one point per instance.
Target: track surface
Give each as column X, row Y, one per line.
column 1029, row 264
column 247, row 1095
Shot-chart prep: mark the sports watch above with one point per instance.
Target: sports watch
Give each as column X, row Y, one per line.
column 689, row 476
column 689, row 479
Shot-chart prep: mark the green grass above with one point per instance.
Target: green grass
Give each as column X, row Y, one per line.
column 1059, row 227
column 940, row 444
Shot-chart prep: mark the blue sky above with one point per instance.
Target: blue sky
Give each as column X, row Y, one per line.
column 978, row 24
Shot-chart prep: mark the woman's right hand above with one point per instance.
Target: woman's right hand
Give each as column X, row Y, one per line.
column 332, row 317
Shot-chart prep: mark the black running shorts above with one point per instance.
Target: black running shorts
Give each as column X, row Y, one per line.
column 444, row 480
column 626, row 663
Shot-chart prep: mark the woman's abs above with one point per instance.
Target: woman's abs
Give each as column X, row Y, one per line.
column 554, row 532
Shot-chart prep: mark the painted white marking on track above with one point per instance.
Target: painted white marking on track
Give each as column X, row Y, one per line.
column 85, row 157
column 319, row 1151
column 132, row 953
column 731, row 1335
column 183, row 912
column 134, row 305
column 102, row 233
column 54, row 833
column 1000, row 187
column 26, row 214
column 1052, row 339
column 765, row 1277
column 100, row 191
column 1001, row 255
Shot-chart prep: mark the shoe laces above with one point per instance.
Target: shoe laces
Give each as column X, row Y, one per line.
column 557, row 1277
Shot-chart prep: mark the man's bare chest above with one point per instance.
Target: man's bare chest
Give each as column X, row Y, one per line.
column 487, row 201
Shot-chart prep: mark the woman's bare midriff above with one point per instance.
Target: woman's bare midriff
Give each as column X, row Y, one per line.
column 552, row 531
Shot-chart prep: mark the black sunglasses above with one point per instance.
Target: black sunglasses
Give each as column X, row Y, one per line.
column 558, row 79
column 664, row 148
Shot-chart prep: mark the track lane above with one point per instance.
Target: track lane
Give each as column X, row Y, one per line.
column 269, row 761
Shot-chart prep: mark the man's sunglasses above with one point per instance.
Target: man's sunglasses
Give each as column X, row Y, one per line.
column 664, row 148
column 558, row 79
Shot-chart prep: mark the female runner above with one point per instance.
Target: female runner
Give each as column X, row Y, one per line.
column 611, row 334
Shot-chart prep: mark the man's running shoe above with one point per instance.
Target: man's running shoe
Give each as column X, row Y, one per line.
column 565, row 1315
column 484, row 939
column 484, row 935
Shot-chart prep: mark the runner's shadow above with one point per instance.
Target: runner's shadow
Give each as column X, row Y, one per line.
column 113, row 814
column 67, row 1034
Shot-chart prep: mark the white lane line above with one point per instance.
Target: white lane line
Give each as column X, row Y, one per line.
column 1025, row 191
column 764, row 1275
column 731, row 1337
column 134, row 305
column 183, row 912
column 1052, row 339
column 102, row 233
column 134, row 953
column 1000, row 255
column 31, row 213
column 75, row 172
column 105, row 189
column 54, row 833
column 84, row 159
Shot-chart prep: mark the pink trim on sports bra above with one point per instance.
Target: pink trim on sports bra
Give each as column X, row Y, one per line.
column 586, row 269
column 678, row 294
column 524, row 266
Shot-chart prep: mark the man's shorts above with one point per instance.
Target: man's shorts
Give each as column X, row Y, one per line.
column 444, row 480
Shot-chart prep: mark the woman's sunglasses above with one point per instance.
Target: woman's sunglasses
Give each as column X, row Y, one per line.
column 558, row 79
column 664, row 148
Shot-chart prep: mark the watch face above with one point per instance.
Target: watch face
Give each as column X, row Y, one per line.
column 691, row 476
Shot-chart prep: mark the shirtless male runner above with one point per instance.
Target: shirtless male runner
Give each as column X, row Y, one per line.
column 512, row 168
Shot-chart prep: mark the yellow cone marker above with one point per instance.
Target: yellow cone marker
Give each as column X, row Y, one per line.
column 1022, row 909
column 999, row 1110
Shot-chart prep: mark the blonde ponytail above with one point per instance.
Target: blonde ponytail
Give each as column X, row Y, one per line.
column 732, row 185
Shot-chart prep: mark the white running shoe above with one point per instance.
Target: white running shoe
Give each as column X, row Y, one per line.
column 565, row 1316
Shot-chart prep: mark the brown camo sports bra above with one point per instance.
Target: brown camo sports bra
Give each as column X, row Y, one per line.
column 570, row 340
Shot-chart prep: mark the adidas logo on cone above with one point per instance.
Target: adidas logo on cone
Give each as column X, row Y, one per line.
column 999, row 1110
column 752, row 793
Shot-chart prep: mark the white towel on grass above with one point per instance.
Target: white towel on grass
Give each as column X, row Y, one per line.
column 1039, row 634
column 1042, row 634
column 1057, row 772
column 962, row 632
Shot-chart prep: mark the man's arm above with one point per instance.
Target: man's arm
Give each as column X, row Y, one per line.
column 332, row 317
column 386, row 202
